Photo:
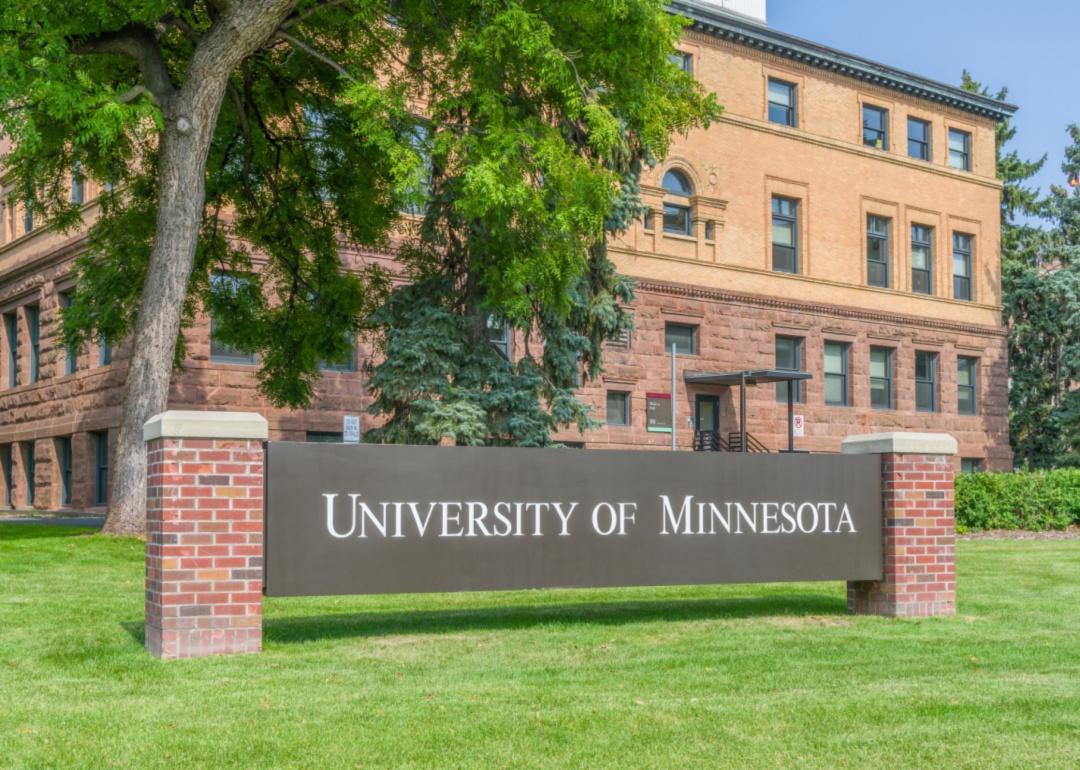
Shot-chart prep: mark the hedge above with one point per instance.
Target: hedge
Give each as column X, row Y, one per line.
column 1036, row 500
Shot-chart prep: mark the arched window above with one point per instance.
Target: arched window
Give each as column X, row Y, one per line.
column 677, row 211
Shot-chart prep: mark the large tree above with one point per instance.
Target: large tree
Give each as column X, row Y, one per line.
column 257, row 138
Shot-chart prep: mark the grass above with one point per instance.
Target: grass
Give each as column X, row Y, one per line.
column 728, row 676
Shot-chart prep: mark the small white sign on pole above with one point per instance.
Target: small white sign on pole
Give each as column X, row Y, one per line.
column 799, row 423
column 350, row 429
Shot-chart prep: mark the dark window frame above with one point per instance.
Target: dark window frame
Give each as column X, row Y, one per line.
column 678, row 217
column 101, row 467
column 220, row 353
column 7, row 456
column 33, row 329
column 886, row 379
column 682, row 60
column 923, row 147
column 71, row 353
column 963, row 154
column 928, row 381
column 63, row 456
column 30, row 471
column 878, row 138
column 790, row 263
column 843, row 374
column 962, row 281
column 787, row 114
column 927, row 274
column 624, row 420
column 971, row 464
column 971, row 389
column 799, row 355
column 78, row 185
column 11, row 334
column 500, row 339
column 885, row 241
column 694, row 335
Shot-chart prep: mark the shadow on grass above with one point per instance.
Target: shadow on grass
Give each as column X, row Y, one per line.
column 368, row 624
column 12, row 532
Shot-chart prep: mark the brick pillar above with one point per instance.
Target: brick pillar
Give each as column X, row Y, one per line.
column 204, row 549
column 918, row 530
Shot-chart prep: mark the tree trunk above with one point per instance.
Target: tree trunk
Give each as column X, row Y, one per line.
column 190, row 119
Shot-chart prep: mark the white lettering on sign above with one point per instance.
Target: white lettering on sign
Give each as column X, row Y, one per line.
column 350, row 429
column 472, row 518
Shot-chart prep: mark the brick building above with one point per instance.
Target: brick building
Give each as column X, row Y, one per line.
column 841, row 218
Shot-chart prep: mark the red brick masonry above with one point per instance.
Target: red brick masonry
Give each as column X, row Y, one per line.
column 919, row 538
column 204, row 551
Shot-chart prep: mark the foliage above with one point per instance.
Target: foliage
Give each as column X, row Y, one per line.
column 539, row 119
column 1023, row 500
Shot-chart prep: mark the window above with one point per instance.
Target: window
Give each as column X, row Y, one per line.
column 11, row 329
column 63, row 453
column 925, row 381
column 959, row 149
column 677, row 214
column 961, row 259
column 971, row 464
column 30, row 469
column 877, row 251
column 348, row 365
column 789, row 356
column 966, row 381
column 875, row 127
column 710, row 230
column 922, row 260
column 682, row 337
column 918, row 139
column 324, row 437
column 499, row 334
column 419, row 190
column 78, row 185
column 105, row 350
column 221, row 352
column 7, row 456
column 881, row 378
column 101, row 466
column 28, row 217
column 618, row 407
column 33, row 324
column 648, row 220
column 785, row 235
column 71, row 353
column 836, row 373
column 683, row 61
column 781, row 102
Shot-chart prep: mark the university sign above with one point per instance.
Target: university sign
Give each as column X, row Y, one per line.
column 385, row 519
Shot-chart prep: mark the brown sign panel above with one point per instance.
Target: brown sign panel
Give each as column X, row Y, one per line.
column 370, row 519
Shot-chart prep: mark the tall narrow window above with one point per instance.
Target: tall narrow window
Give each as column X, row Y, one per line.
column 105, row 351
column 877, row 251
column 683, row 338
column 618, row 407
column 782, row 102
column 101, row 467
column 881, row 378
column 925, row 381
column 677, row 211
column 966, row 382
column 918, row 139
column 33, row 326
column 418, row 192
column 785, row 235
column 922, row 260
column 789, row 356
column 959, row 149
column 30, row 469
column 836, row 373
column 7, row 456
column 961, row 258
column 28, row 217
column 78, row 185
column 71, row 353
column 223, row 352
column 683, row 61
column 875, row 127
column 11, row 331
column 63, row 453
column 499, row 334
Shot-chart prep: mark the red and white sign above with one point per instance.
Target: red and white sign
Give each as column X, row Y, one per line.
column 799, row 423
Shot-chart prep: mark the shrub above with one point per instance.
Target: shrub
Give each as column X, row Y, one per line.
column 1036, row 500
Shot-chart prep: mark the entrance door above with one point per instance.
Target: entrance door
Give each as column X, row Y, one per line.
column 707, row 417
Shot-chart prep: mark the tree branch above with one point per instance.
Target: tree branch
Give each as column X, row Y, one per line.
column 298, row 17
column 139, row 44
column 316, row 54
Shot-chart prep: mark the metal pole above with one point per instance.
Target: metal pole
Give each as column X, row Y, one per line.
column 791, row 416
column 742, row 412
column 674, row 400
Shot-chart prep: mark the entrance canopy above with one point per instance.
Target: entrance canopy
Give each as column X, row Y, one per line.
column 753, row 377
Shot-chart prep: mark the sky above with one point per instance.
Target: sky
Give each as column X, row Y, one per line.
column 1031, row 47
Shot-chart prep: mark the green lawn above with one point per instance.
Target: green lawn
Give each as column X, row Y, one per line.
column 729, row 676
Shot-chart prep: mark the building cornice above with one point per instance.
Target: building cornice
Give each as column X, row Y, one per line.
column 742, row 30
column 815, row 308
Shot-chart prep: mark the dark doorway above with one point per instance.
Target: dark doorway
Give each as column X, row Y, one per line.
column 707, row 413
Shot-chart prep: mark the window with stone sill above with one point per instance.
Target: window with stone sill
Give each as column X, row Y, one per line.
column 677, row 211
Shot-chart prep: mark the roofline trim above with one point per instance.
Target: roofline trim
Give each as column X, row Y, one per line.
column 738, row 29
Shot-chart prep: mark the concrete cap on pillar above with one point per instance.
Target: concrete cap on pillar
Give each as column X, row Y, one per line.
column 192, row 424
column 900, row 443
